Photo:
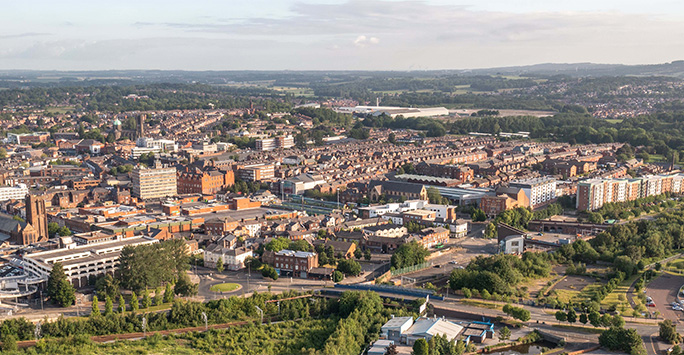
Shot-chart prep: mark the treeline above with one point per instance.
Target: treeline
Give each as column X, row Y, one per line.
column 659, row 133
column 159, row 97
column 182, row 314
column 500, row 274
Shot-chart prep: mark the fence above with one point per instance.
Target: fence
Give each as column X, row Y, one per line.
column 406, row 270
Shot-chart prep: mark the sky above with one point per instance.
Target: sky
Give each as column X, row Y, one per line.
column 335, row 34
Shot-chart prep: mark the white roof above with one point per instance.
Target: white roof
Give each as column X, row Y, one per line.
column 432, row 327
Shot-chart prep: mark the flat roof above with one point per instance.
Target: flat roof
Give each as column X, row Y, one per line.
column 93, row 248
column 397, row 322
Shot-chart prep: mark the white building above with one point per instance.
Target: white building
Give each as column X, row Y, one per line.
column 395, row 327
column 81, row 262
column 298, row 184
column 376, row 211
column 538, row 190
column 163, row 144
column 513, row 244
column 394, row 111
column 233, row 259
column 16, row 192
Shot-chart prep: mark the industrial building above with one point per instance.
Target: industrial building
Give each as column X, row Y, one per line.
column 394, row 111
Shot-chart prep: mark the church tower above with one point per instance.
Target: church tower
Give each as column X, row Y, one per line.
column 36, row 215
column 140, row 122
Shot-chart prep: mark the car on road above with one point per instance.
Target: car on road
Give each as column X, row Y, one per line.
column 453, row 262
column 438, row 265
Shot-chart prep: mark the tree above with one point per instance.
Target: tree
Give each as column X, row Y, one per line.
column 595, row 318
column 572, row 316
column 358, row 254
column 219, row 265
column 504, row 333
column 517, row 312
column 109, row 306
column 107, row 286
column 490, row 231
column 392, row 138
column 337, row 276
column 367, row 254
column 668, row 332
column 151, row 265
column 184, row 286
column 392, row 350
column 134, row 302
column 277, row 244
column 436, row 197
column 479, row 216
column 583, row 318
column 95, row 308
column 64, row 231
column 59, row 289
column 420, row 347
column 9, row 343
column 122, row 304
column 146, row 301
column 168, row 293
column 409, row 254
column 3, row 153
column 269, row 271
column 349, row 267
column 158, row 297
column 626, row 340
column 53, row 228
column 561, row 316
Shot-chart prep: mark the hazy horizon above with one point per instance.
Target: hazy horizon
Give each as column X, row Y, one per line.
column 320, row 35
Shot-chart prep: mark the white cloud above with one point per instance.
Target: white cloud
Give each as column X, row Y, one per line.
column 363, row 41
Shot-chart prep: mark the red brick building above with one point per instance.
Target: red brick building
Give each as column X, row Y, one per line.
column 196, row 181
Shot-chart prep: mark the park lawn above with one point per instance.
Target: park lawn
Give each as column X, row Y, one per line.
column 225, row 287
column 656, row 158
column 613, row 298
column 59, row 109
column 578, row 296
column 614, row 120
column 566, row 296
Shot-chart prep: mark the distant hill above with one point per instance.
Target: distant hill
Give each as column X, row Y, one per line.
column 675, row 69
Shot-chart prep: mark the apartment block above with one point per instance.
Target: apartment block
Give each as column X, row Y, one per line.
column 594, row 193
column 539, row 191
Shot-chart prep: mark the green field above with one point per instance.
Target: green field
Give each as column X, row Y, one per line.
column 59, row 109
column 614, row 120
column 294, row 90
column 225, row 287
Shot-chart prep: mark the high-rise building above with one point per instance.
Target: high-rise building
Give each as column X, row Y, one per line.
column 539, row 191
column 36, row 215
column 156, row 182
